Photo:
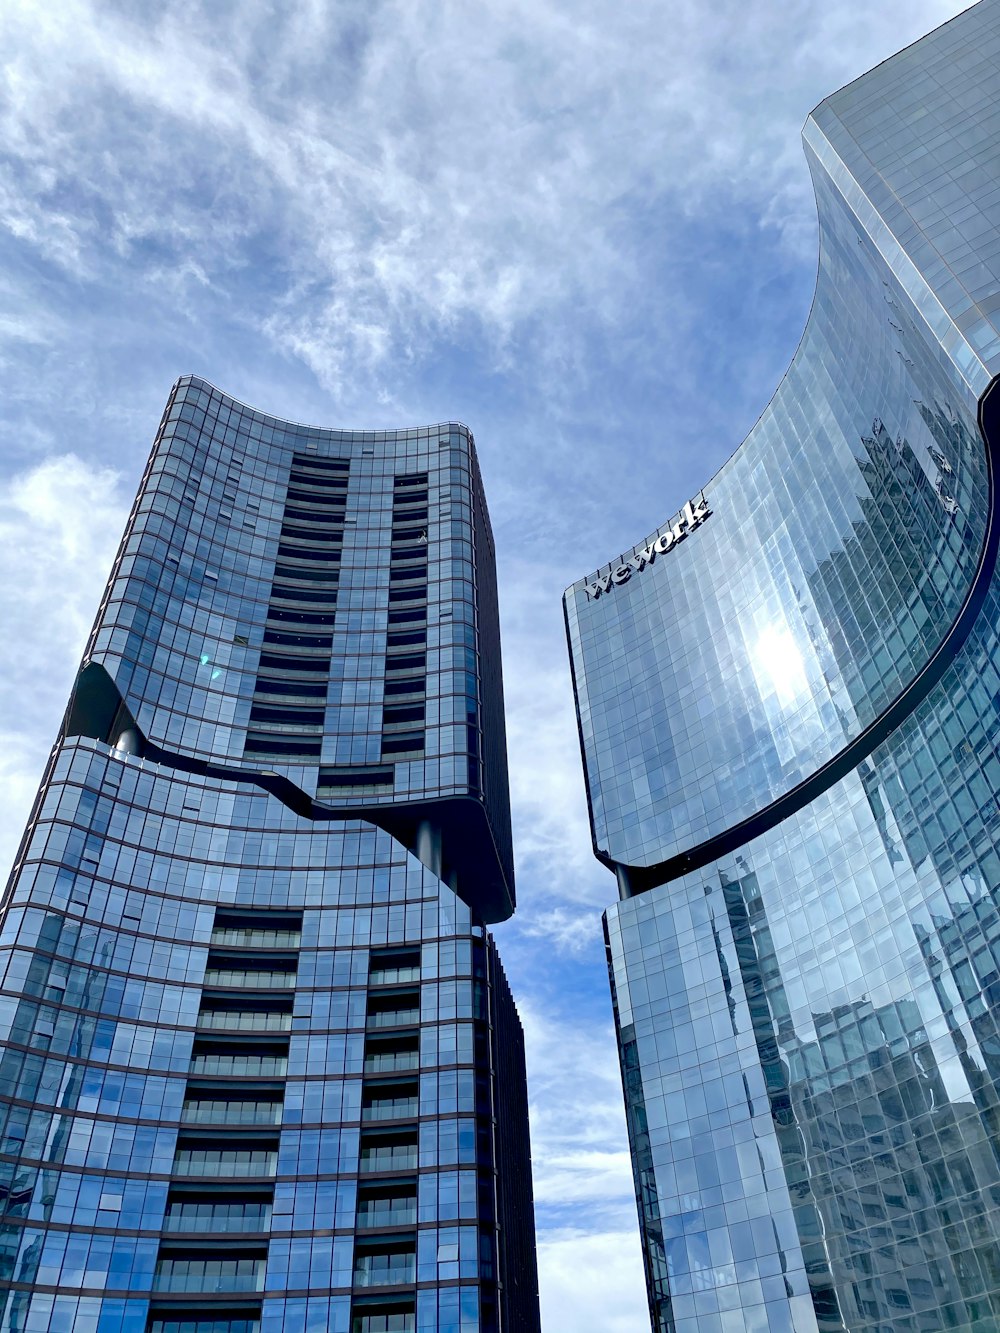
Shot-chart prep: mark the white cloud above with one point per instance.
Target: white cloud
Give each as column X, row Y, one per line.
column 592, row 1282
column 589, row 1261
column 60, row 523
column 579, row 1145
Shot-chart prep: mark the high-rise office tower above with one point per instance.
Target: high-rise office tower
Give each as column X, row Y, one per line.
column 262, row 1070
column 789, row 705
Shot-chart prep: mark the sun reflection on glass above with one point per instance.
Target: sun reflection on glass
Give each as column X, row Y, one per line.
column 778, row 665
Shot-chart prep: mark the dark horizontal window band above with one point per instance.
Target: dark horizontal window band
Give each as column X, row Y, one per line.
column 315, row 508
column 321, row 501
column 403, row 744
column 315, row 490
column 633, row 880
column 284, row 593
column 296, row 689
column 311, row 554
column 406, row 662
column 304, row 574
column 290, row 661
column 402, row 713
column 274, row 636
column 272, row 713
column 288, row 616
column 279, row 749
column 321, row 466
column 315, row 523
column 328, row 536
column 407, row 685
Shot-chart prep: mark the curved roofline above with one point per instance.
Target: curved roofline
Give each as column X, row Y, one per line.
column 779, row 387
column 305, row 425
column 638, row 879
column 810, row 155
column 896, row 55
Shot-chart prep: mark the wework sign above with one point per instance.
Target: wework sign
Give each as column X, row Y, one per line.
column 691, row 516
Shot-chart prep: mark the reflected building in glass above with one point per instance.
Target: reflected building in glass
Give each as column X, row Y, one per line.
column 789, row 707
column 262, row 1071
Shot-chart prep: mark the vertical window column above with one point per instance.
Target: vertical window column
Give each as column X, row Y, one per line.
column 289, row 702
column 215, row 1230
column 405, row 693
column 385, row 1236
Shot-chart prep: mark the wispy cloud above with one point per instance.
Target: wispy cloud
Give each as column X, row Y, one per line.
column 410, row 166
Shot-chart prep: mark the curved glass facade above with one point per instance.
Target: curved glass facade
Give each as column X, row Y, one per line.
column 262, row 1070
column 808, row 1017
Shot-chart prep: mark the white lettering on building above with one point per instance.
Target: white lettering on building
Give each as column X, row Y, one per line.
column 691, row 516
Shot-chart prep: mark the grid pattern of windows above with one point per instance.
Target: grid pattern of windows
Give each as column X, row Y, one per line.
column 243, row 1032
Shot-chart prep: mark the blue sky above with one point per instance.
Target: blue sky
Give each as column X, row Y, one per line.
column 584, row 228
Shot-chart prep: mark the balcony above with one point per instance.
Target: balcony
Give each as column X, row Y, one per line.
column 239, row 1065
column 177, row 1318
column 244, row 1114
column 388, row 971
column 401, row 1108
column 226, row 1163
column 385, row 1270
column 399, row 1158
column 388, row 1210
column 213, row 1218
column 244, row 938
column 210, row 1276
column 388, row 1062
column 250, row 979
column 381, row 1319
column 244, row 1020
column 393, row 1018
column 393, row 1099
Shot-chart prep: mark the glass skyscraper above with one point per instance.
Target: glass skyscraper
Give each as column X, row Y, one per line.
column 789, row 706
column 261, row 1067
